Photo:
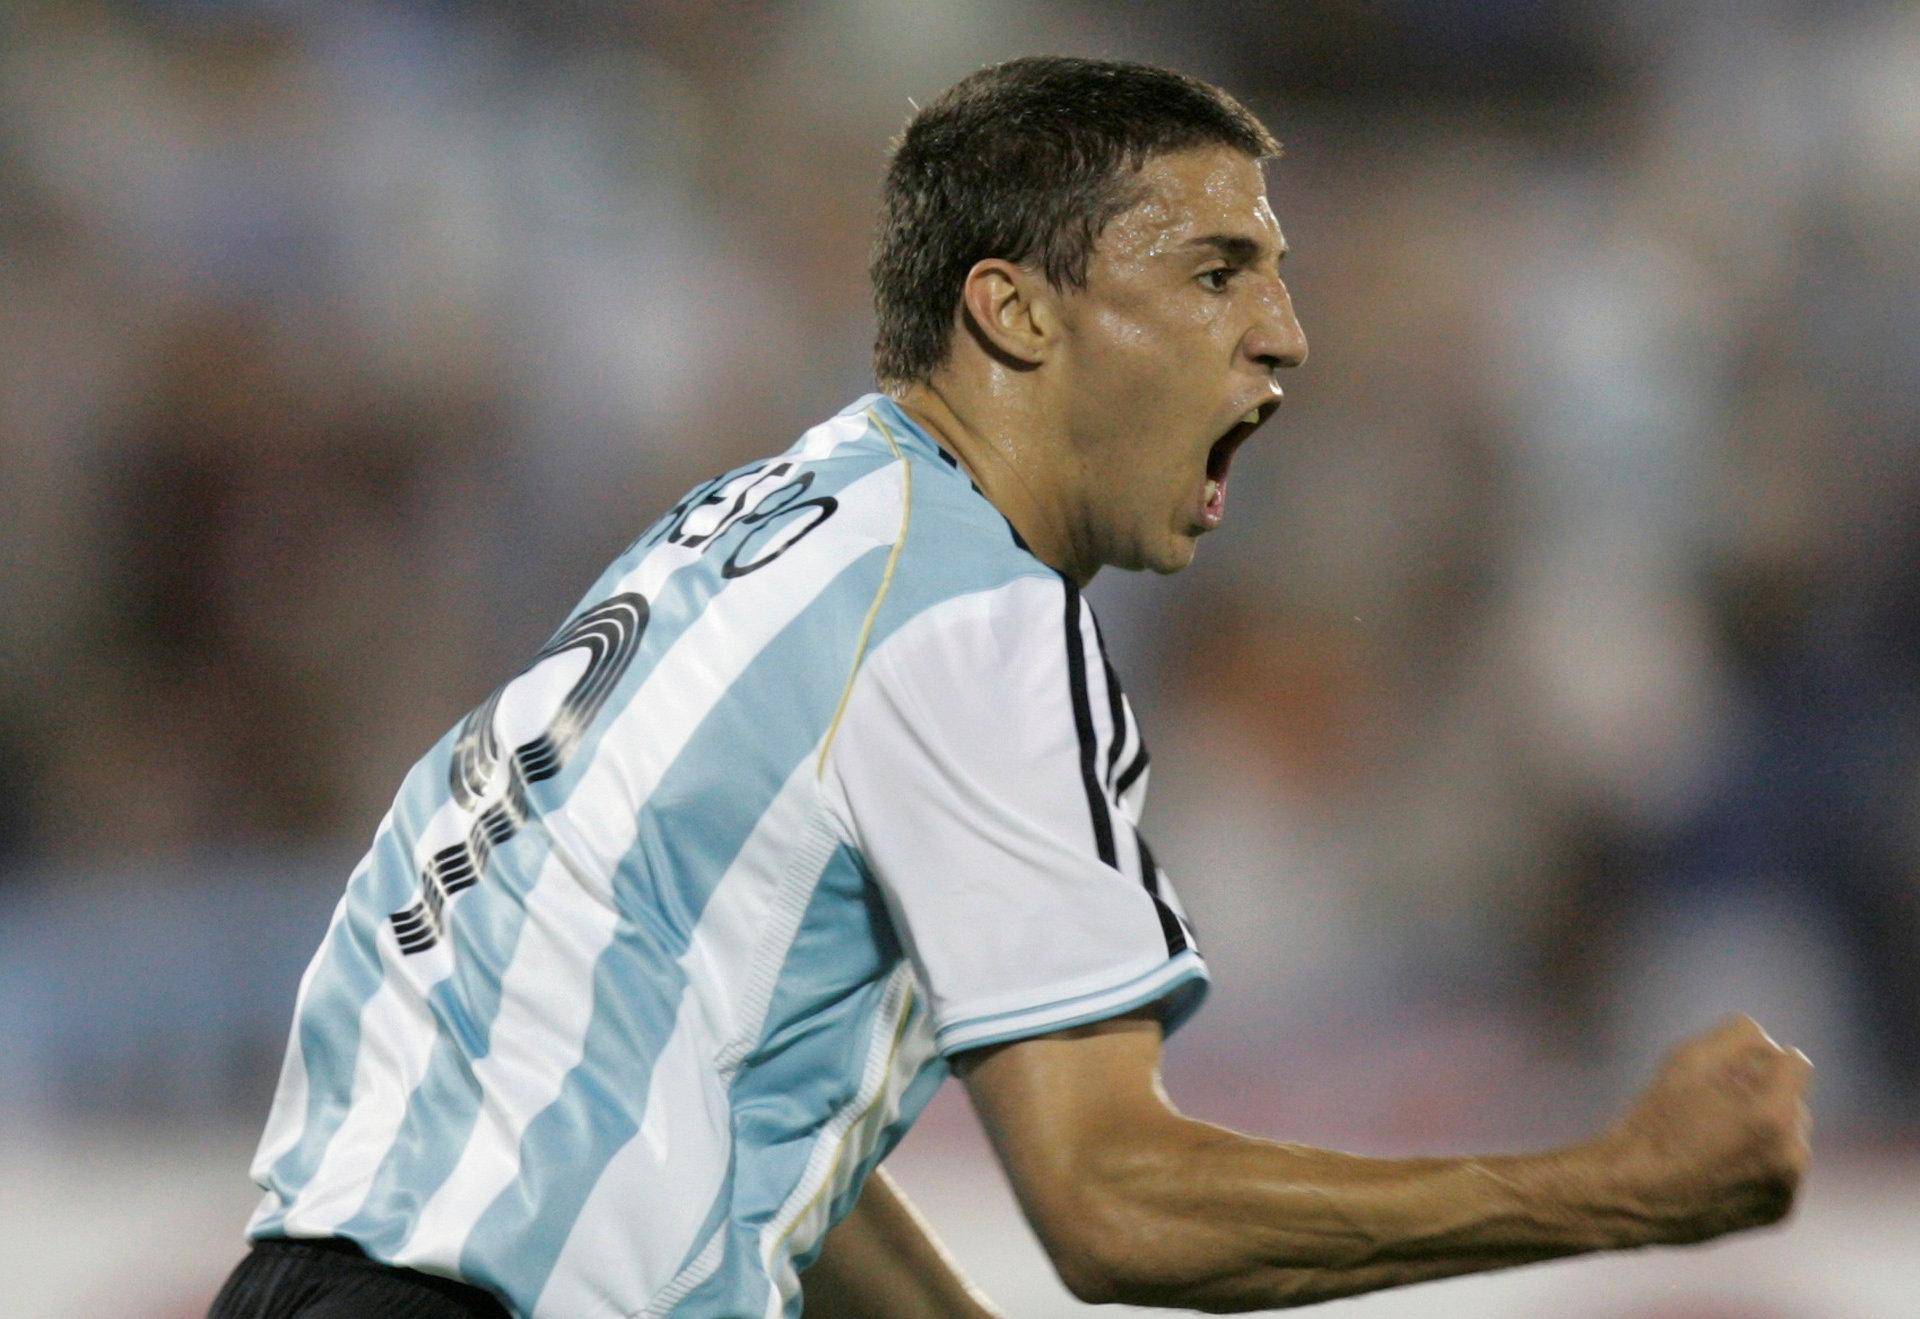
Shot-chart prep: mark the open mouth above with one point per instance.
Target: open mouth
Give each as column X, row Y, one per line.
column 1220, row 459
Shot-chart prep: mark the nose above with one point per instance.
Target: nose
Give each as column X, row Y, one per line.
column 1276, row 340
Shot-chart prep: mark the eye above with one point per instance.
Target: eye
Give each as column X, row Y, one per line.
column 1218, row 278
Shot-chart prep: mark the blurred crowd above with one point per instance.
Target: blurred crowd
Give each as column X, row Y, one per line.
column 1551, row 689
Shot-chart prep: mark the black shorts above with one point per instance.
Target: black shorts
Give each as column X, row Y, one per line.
column 332, row 1279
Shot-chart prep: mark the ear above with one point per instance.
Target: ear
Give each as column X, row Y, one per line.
column 1012, row 310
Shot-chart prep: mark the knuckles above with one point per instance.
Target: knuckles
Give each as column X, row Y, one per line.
column 1730, row 1123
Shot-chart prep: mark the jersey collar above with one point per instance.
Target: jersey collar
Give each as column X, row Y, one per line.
column 910, row 434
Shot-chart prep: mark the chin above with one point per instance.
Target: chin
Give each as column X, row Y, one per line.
column 1168, row 552
column 1172, row 557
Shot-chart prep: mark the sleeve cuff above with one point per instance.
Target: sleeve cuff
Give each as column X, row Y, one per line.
column 1179, row 984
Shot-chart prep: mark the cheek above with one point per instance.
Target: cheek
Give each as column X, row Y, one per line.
column 1143, row 381
column 1121, row 343
column 1147, row 365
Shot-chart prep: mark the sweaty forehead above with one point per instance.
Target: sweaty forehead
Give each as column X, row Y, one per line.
column 1188, row 194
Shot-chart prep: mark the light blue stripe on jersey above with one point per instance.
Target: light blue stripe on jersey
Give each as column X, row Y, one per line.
column 1179, row 983
column 799, row 1067
column 351, row 974
column 947, row 511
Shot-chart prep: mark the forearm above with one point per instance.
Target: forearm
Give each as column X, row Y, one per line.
column 882, row 1262
column 1209, row 1219
column 1135, row 1202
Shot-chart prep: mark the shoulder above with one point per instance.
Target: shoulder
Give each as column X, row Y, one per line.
column 981, row 627
column 960, row 566
column 975, row 674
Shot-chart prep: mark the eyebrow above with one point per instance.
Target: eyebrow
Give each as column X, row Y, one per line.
column 1237, row 248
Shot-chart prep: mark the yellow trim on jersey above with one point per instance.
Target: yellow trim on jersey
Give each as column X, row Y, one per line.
column 886, row 581
column 846, row 1136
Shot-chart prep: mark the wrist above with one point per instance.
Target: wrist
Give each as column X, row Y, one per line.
column 1626, row 1190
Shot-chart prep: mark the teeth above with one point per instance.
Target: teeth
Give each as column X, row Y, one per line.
column 1213, row 490
column 1253, row 417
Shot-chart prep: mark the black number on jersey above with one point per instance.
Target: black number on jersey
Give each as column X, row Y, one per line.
column 609, row 633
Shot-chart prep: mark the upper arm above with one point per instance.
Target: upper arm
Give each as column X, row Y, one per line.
column 1076, row 1117
column 981, row 773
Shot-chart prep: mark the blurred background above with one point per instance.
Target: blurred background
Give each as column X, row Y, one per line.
column 1551, row 692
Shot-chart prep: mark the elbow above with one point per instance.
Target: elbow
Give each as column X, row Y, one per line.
column 1091, row 1273
column 1107, row 1252
column 1087, row 1279
column 1116, row 1250
column 1120, row 1222
column 1095, row 1277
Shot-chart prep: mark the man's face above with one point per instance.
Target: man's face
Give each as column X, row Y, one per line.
column 1174, row 340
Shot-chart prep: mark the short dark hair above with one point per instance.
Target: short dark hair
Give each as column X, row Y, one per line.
column 1027, row 161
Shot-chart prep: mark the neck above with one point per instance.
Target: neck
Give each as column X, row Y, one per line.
column 1020, row 468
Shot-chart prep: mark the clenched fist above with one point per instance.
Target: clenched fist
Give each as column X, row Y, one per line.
column 1718, row 1141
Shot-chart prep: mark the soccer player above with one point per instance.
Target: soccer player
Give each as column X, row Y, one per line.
column 828, row 787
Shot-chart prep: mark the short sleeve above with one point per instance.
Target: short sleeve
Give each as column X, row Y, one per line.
column 978, row 770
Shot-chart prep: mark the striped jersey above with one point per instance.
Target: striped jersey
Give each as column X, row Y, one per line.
column 662, row 948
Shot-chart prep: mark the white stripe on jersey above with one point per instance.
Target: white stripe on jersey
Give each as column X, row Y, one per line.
column 534, row 1043
column 396, row 1039
column 834, row 433
column 697, row 1271
column 611, row 1259
column 1123, row 742
column 1101, row 700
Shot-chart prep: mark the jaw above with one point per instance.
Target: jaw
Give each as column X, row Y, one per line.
column 1137, row 540
column 1162, row 535
column 1183, row 549
column 1167, row 547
